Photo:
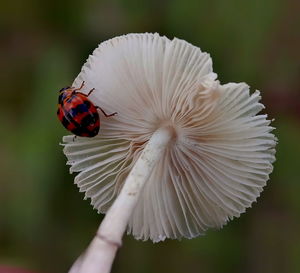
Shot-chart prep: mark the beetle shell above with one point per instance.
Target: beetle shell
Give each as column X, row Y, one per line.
column 77, row 113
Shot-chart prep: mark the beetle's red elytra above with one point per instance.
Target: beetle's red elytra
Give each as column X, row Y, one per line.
column 77, row 113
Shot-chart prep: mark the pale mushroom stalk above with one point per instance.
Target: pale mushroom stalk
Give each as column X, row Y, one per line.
column 102, row 250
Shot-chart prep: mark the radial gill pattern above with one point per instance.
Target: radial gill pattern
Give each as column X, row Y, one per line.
column 221, row 153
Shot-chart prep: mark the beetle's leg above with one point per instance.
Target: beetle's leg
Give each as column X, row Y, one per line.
column 86, row 95
column 82, row 85
column 74, row 137
column 110, row 115
column 89, row 93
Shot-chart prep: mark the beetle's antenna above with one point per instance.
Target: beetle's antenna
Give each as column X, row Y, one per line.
column 82, row 85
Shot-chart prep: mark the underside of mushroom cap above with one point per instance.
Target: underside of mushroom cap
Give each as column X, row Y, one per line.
column 221, row 153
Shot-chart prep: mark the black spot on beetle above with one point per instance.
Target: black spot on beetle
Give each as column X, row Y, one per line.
column 65, row 122
column 88, row 120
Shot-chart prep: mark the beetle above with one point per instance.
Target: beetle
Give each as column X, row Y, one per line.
column 77, row 113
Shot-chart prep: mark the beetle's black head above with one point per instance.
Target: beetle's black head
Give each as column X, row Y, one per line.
column 63, row 89
column 62, row 94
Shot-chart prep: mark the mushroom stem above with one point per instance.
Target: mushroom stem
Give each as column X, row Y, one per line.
column 102, row 250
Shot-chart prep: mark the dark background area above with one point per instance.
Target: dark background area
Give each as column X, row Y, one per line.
column 44, row 222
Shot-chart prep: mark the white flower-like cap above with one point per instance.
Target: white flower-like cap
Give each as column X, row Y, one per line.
column 221, row 152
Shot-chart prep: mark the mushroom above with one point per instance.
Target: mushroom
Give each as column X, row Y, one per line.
column 184, row 154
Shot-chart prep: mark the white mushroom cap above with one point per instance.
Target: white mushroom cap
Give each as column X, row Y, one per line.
column 221, row 153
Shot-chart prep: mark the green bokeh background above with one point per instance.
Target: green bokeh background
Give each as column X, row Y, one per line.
column 44, row 222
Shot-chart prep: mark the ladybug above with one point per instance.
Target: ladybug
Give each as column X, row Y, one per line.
column 77, row 113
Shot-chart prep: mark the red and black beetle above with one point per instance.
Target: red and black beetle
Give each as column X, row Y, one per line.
column 77, row 113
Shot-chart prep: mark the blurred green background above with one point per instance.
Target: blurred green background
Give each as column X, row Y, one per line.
column 45, row 224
